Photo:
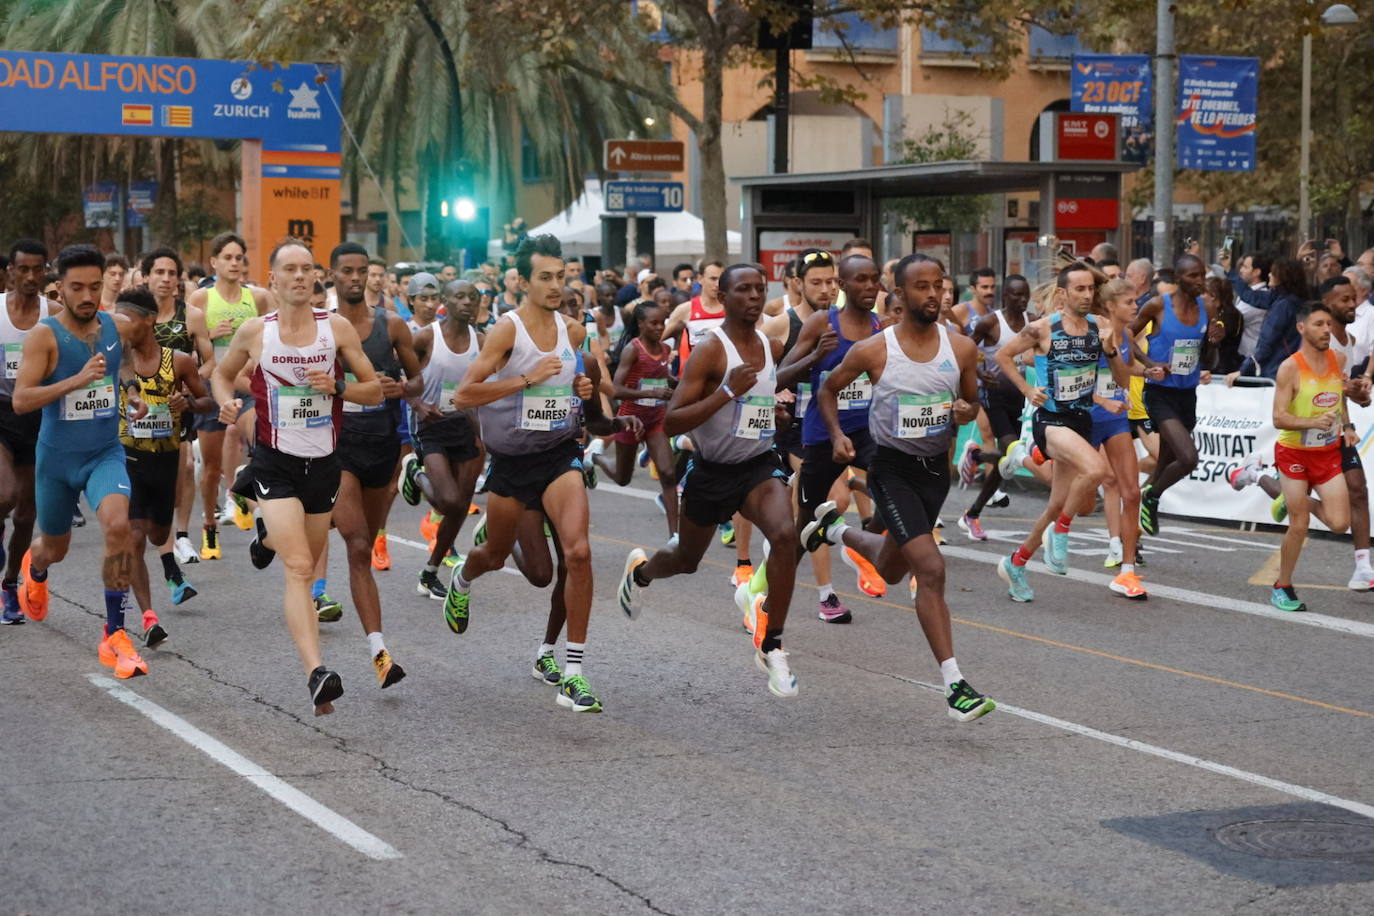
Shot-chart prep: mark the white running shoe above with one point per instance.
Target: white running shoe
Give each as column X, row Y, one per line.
column 1113, row 554
column 1362, row 580
column 185, row 551
column 1014, row 459
column 1249, row 472
column 781, row 682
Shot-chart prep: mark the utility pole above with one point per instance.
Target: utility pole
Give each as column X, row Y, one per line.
column 1164, row 133
column 782, row 92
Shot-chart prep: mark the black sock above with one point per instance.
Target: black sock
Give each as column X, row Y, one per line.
column 638, row 576
column 183, row 534
column 9, row 585
column 745, row 562
column 772, row 641
column 170, row 569
column 262, row 531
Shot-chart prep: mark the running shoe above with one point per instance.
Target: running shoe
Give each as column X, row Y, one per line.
column 937, row 533
column 1013, row 460
column 867, row 578
column 260, row 554
column 78, row 520
column 429, row 525
column 546, row 670
column 744, row 600
column 479, row 534
column 1139, row 555
column 743, row 573
column 1057, row 552
column 1113, row 554
column 1249, row 472
column 629, row 589
column 1361, row 581
column 970, row 525
column 589, row 472
column 817, row 531
column 33, row 596
column 1278, row 509
column 381, row 556
column 452, row 558
column 1128, row 584
column 967, row 466
column 965, row 703
column 474, row 509
column 662, row 506
column 154, row 634
column 410, row 487
column 833, row 610
column 1015, row 577
column 327, row 609
column 11, row 616
column 1000, row 500
column 225, row 515
column 548, row 529
column 781, row 682
column 756, row 621
column 456, row 605
column 1149, row 510
column 430, row 586
column 242, row 517
column 185, row 551
column 1037, row 455
column 325, row 687
column 643, row 456
column 209, row 544
column 117, row 651
column 182, row 591
column 727, row 533
column 388, row 672
column 576, row 694
column 913, row 587
column 1285, row 598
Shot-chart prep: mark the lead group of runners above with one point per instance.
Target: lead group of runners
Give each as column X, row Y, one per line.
column 770, row 416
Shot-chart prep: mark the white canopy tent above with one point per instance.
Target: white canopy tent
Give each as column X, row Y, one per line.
column 677, row 236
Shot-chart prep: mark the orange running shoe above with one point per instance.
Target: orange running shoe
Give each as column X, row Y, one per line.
column 1128, row 584
column 429, row 526
column 741, row 575
column 870, row 583
column 117, row 652
column 760, row 629
column 33, row 596
column 381, row 559
column 474, row 509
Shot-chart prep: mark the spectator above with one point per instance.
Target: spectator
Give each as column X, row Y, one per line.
column 1111, row 268
column 1225, row 356
column 510, row 297
column 683, row 278
column 1278, row 338
column 1139, row 272
column 1363, row 326
column 1328, row 266
column 1254, row 273
column 1102, row 253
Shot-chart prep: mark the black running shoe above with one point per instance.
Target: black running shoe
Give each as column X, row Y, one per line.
column 325, row 688
column 965, row 703
column 1149, row 511
column 260, row 555
column 154, row 636
column 430, row 586
column 546, row 670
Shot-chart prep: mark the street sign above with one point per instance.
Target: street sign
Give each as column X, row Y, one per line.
column 643, row 196
column 645, row 156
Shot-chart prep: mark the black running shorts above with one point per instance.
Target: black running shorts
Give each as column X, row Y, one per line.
column 1004, row 411
column 277, row 475
column 1350, row 458
column 907, row 491
column 152, row 484
column 1163, row 402
column 19, row 433
column 450, row 436
column 1080, row 421
column 819, row 471
column 526, row 477
column 371, row 459
column 712, row 493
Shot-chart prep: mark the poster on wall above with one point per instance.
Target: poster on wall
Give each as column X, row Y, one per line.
column 1119, row 84
column 1218, row 100
column 933, row 245
column 776, row 249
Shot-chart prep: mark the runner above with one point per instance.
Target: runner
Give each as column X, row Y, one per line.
column 1067, row 348
column 448, row 457
column 299, row 381
column 727, row 399
column 116, row 270
column 69, row 368
column 824, row 340
column 151, row 447
column 368, row 449
column 524, row 382
column 375, row 294
column 1002, row 401
column 925, row 382
column 23, row 309
column 1173, row 370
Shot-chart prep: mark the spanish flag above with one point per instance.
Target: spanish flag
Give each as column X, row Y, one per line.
column 176, row 115
column 138, row 115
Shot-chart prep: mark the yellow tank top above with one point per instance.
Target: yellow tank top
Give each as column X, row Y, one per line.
column 1135, row 394
column 217, row 309
column 1316, row 395
column 160, row 429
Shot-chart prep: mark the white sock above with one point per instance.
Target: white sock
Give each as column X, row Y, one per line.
column 949, row 672
column 1362, row 559
column 1127, row 568
column 573, row 658
column 463, row 585
column 825, row 591
column 545, row 648
column 1115, row 544
column 374, row 644
column 835, row 533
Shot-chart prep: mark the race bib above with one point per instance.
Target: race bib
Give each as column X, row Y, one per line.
column 1183, row 357
column 350, row 407
column 546, row 407
column 803, row 399
column 921, row 415
column 157, row 423
column 1320, row 438
column 12, row 353
column 301, row 407
column 1071, row 383
column 652, row 384
column 97, row 402
column 754, row 417
column 1106, row 385
column 446, row 393
column 857, row 395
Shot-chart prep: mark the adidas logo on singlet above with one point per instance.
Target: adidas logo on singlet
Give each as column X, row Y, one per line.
column 566, row 354
column 946, row 366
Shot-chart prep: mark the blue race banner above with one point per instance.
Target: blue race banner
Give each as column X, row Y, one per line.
column 139, row 206
column 1218, row 99
column 291, row 107
column 100, row 202
column 1118, row 84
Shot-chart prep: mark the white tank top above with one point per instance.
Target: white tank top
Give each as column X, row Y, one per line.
column 12, row 339
column 542, row 416
column 293, row 417
column 913, row 402
column 1346, row 349
column 446, row 369
column 744, row 427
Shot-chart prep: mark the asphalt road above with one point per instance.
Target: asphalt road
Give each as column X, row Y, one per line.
column 1132, row 738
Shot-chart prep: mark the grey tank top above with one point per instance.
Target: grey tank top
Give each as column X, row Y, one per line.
column 445, row 369
column 744, row 427
column 913, row 402
column 540, row 417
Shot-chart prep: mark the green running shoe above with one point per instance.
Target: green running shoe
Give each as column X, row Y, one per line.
column 479, row 534
column 1278, row 509
column 456, row 605
column 1149, row 510
column 576, row 694
column 727, row 533
column 327, row 609
column 1285, row 599
column 410, row 487
column 546, row 670
column 965, row 703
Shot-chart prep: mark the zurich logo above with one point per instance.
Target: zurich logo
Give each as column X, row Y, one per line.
column 241, row 88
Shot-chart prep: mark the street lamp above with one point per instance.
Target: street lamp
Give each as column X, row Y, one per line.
column 1338, row 14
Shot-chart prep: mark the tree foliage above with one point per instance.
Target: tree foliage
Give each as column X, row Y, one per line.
column 954, row 139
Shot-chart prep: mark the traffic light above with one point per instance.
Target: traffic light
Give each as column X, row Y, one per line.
column 467, row 229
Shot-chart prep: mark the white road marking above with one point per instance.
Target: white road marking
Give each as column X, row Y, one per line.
column 325, row 818
column 1155, row 750
column 425, row 547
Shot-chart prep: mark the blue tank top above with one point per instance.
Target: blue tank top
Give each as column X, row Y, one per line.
column 1069, row 373
column 87, row 419
column 855, row 399
column 1106, row 383
column 1178, row 346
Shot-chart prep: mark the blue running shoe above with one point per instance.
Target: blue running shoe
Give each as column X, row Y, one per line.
column 1057, row 552
column 12, row 616
column 182, row 591
column 1015, row 577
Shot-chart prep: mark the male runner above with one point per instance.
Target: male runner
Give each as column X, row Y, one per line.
column 71, row 366
column 1173, row 369
column 23, row 309
column 368, row 448
column 374, row 294
column 300, row 388
column 1068, row 347
column 982, row 305
column 925, row 383
column 727, row 399
column 151, row 446
column 448, row 456
column 527, row 384
column 116, row 269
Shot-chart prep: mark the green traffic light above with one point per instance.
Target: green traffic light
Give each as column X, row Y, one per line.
column 464, row 210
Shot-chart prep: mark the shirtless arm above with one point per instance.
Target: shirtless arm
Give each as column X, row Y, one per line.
column 200, row 335
column 226, row 371
column 816, row 340
column 367, row 389
column 701, row 392
column 677, row 321
column 403, row 344
column 1029, row 340
column 966, row 402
